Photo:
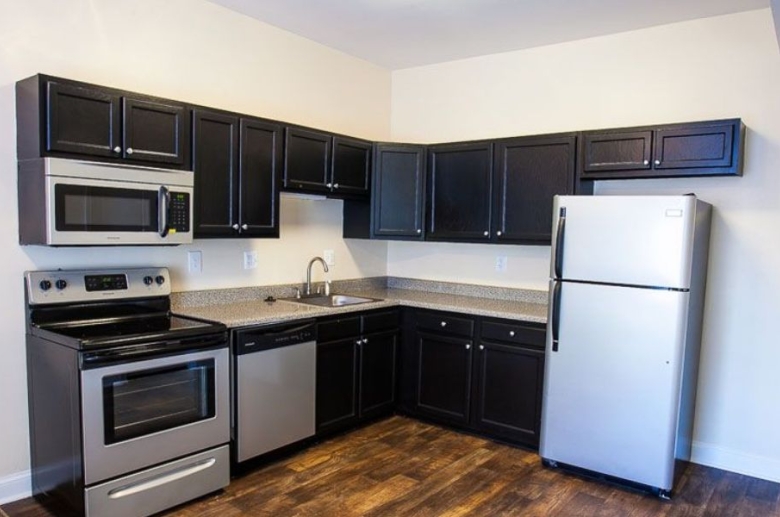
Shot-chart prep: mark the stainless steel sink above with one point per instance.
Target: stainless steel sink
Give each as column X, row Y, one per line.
column 333, row 300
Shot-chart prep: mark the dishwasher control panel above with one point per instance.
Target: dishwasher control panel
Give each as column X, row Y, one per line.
column 255, row 339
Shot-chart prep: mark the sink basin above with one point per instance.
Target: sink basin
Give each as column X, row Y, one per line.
column 333, row 300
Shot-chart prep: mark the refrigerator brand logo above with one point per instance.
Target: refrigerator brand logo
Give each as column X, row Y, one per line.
column 674, row 212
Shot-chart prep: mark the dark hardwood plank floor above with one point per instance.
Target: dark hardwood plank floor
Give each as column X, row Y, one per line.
column 402, row 467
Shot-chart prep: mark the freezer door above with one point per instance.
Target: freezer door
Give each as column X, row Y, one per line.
column 634, row 240
column 612, row 388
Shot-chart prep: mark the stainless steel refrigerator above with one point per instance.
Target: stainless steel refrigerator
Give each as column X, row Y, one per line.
column 624, row 330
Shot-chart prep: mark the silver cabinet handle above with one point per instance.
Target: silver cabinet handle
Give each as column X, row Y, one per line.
column 117, row 149
column 511, row 333
column 468, row 346
column 657, row 162
column 329, row 185
column 486, row 233
column 498, row 233
column 244, row 226
column 365, row 340
column 129, row 150
column 419, row 230
column 235, row 227
column 481, row 347
column 335, row 185
column 443, row 323
column 646, row 162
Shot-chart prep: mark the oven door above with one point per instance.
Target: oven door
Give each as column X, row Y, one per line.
column 142, row 413
column 87, row 211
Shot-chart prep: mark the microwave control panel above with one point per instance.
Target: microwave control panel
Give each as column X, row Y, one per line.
column 179, row 212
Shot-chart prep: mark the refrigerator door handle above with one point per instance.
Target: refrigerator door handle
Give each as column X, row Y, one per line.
column 555, row 316
column 558, row 264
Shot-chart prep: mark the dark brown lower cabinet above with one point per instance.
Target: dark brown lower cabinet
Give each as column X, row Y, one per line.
column 444, row 381
column 507, row 374
column 336, row 384
column 356, row 368
column 482, row 375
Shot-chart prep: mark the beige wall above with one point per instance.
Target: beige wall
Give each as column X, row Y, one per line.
column 193, row 51
column 706, row 69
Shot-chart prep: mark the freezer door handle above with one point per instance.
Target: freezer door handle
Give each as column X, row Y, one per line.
column 555, row 316
column 558, row 268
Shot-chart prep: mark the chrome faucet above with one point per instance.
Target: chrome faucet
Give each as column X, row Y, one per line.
column 308, row 272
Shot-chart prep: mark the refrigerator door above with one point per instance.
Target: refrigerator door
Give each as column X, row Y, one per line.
column 612, row 388
column 632, row 240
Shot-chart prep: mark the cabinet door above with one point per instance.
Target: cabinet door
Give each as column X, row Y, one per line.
column 444, row 377
column 509, row 393
column 82, row 120
column 529, row 172
column 307, row 160
column 397, row 196
column 215, row 163
column 460, row 192
column 694, row 147
column 336, row 384
column 351, row 167
column 377, row 373
column 616, row 151
column 155, row 132
column 260, row 166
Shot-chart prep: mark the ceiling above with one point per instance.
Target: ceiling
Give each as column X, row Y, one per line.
column 405, row 33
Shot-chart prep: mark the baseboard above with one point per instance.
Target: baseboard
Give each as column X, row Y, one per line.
column 15, row 486
column 736, row 461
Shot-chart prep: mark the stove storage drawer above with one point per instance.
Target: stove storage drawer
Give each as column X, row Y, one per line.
column 158, row 488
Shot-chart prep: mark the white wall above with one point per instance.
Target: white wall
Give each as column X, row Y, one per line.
column 194, row 51
column 706, row 69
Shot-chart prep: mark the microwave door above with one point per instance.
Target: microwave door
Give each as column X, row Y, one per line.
column 83, row 212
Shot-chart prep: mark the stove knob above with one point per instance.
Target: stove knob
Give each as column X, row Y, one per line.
column 61, row 284
column 45, row 285
column 148, row 280
column 160, row 279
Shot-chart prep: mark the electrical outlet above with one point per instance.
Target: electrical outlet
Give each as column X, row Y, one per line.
column 330, row 257
column 250, row 259
column 195, row 261
column 501, row 263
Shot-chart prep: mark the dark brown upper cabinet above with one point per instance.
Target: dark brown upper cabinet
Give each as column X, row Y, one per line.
column 237, row 164
column 69, row 119
column 321, row 163
column 460, row 192
column 529, row 171
column 399, row 191
column 711, row 148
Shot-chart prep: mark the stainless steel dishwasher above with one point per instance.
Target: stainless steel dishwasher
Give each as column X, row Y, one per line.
column 274, row 387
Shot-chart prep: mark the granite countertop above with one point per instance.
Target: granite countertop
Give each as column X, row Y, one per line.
column 257, row 311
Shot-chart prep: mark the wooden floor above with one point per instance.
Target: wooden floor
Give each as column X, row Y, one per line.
column 402, row 467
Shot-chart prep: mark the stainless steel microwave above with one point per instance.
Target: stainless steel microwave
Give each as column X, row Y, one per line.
column 77, row 203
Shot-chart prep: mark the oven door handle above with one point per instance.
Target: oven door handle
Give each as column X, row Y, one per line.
column 163, row 202
column 164, row 479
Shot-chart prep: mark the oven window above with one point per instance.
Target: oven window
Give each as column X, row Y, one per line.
column 102, row 209
column 140, row 403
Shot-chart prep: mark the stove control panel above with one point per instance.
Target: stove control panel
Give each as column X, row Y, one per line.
column 68, row 286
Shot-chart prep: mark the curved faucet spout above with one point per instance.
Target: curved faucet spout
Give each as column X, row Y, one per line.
column 308, row 272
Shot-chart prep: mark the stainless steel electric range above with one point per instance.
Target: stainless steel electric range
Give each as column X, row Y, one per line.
column 129, row 404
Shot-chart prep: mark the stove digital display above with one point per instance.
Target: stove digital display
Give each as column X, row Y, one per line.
column 105, row 282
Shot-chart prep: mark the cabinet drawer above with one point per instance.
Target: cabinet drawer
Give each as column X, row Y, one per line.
column 444, row 323
column 338, row 328
column 510, row 332
column 378, row 321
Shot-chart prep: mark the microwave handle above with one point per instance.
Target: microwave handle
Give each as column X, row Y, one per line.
column 163, row 201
